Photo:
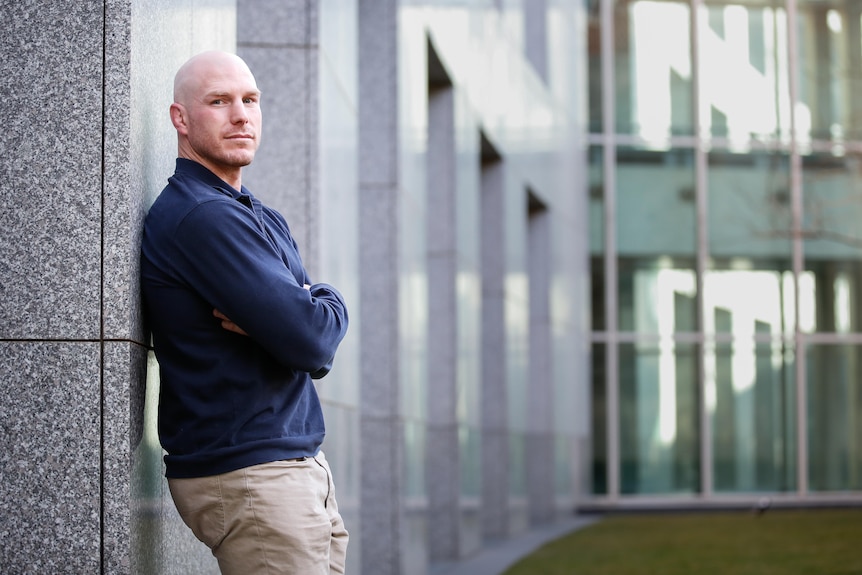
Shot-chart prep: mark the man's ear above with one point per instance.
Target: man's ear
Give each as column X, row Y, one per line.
column 178, row 118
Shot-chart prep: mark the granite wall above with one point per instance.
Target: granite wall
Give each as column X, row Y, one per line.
column 68, row 343
column 87, row 148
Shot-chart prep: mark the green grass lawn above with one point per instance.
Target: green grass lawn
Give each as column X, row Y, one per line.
column 809, row 542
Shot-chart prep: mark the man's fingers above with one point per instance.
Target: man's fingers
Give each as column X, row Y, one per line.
column 227, row 324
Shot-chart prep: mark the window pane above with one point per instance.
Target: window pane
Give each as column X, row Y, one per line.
column 414, row 458
column 599, row 420
column 749, row 278
column 594, row 48
column 834, row 417
column 517, row 465
column 659, row 436
column 469, row 443
column 744, row 76
column 753, row 414
column 597, row 199
column 749, row 205
column 657, row 295
column 566, row 449
column 743, row 296
column 656, row 240
column 653, row 69
column 832, row 191
column 597, row 241
column 830, row 69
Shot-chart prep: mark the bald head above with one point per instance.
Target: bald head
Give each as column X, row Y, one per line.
column 198, row 69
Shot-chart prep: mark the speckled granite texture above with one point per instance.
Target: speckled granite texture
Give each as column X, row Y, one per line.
column 87, row 149
column 49, row 464
column 50, row 288
column 50, row 207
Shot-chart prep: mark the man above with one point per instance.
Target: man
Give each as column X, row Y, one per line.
column 239, row 331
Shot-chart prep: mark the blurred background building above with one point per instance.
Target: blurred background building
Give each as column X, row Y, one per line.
column 598, row 254
column 725, row 241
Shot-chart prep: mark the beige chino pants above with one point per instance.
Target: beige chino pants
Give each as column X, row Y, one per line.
column 274, row 518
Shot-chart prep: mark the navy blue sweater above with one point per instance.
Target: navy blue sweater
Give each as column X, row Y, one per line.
column 227, row 400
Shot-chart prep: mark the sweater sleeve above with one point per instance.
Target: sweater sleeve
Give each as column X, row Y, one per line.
column 227, row 256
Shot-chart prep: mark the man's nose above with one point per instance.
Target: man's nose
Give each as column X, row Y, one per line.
column 239, row 114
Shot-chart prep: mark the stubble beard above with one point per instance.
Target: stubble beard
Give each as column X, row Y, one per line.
column 231, row 158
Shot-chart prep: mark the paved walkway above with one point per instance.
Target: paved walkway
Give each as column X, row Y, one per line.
column 496, row 558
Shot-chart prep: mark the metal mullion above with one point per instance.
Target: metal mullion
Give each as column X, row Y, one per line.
column 610, row 252
column 700, row 187
column 796, row 213
column 830, row 338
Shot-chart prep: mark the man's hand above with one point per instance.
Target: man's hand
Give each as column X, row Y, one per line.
column 227, row 323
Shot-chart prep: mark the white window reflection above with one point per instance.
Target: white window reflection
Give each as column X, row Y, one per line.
column 807, row 302
column 749, row 296
column 656, row 293
column 843, row 303
column 740, row 46
column 656, row 55
column 755, row 301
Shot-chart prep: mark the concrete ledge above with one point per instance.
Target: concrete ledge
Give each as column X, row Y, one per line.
column 496, row 557
column 729, row 502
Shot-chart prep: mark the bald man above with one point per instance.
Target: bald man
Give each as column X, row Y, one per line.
column 239, row 331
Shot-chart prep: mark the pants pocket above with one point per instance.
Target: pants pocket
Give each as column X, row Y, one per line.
column 199, row 503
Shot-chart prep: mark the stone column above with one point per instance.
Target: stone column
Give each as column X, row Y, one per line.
column 71, row 352
column 381, row 430
column 279, row 41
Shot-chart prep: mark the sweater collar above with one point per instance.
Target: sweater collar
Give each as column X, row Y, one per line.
column 200, row 172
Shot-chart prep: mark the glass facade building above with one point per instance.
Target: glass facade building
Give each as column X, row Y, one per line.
column 725, row 185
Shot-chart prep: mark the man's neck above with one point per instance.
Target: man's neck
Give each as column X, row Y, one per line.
column 231, row 176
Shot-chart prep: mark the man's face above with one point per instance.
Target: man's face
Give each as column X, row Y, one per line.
column 222, row 117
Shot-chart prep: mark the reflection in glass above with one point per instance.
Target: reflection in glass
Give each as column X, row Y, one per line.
column 834, row 417
column 751, row 402
column 414, row 459
column 469, row 439
column 597, row 199
column 653, row 69
column 564, row 482
column 756, row 298
column 750, row 240
column 594, row 53
column 830, row 70
column 657, row 296
column 655, row 202
column 832, row 192
column 744, row 72
column 599, row 420
column 597, row 230
column 749, row 205
column 748, row 296
column 656, row 226
column 830, row 296
column 517, row 464
column 659, row 433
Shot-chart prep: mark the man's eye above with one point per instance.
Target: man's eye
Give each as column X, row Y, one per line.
column 218, row 101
